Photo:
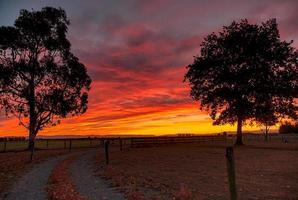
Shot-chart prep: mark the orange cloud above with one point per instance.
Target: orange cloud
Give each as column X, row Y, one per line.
column 136, row 57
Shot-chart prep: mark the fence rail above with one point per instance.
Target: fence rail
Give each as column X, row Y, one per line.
column 8, row 144
column 123, row 142
column 20, row 145
column 157, row 141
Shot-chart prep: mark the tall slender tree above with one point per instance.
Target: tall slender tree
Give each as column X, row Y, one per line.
column 240, row 69
column 41, row 80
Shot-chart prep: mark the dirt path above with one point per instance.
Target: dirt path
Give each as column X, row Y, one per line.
column 89, row 185
column 32, row 185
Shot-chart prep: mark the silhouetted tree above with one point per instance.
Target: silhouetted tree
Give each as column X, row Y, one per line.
column 266, row 116
column 242, row 68
column 44, row 81
column 288, row 127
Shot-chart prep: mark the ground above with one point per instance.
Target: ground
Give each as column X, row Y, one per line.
column 15, row 164
column 188, row 171
column 262, row 171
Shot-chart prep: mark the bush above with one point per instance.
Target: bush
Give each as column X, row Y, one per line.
column 288, row 128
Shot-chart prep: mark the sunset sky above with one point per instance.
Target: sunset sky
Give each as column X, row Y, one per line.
column 136, row 53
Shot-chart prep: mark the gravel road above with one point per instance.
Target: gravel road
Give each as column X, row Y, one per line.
column 89, row 185
column 32, row 185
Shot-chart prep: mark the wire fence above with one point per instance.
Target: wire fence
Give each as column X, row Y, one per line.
column 21, row 144
column 12, row 144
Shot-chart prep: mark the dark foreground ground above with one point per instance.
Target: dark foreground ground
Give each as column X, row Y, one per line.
column 196, row 171
column 188, row 171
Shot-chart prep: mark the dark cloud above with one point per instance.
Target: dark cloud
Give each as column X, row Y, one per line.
column 156, row 100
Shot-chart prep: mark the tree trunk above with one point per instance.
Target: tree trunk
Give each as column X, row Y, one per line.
column 31, row 145
column 266, row 134
column 32, row 118
column 32, row 135
column 239, row 131
column 266, row 137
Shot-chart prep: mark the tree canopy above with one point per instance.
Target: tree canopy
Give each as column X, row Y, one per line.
column 41, row 80
column 288, row 127
column 245, row 72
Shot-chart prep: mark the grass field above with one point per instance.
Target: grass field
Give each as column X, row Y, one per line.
column 49, row 144
column 85, row 142
column 198, row 171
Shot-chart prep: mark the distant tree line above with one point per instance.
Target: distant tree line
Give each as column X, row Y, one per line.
column 288, row 128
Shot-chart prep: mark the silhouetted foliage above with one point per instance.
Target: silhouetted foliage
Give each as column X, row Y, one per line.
column 288, row 128
column 41, row 80
column 245, row 72
column 265, row 116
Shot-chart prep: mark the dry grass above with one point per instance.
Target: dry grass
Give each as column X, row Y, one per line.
column 12, row 165
column 199, row 172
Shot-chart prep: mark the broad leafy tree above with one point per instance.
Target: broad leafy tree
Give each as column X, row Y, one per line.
column 244, row 69
column 41, row 80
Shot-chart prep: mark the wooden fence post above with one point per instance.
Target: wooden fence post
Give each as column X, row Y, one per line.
column 4, row 148
column 231, row 172
column 70, row 145
column 120, row 143
column 47, row 143
column 225, row 135
column 106, row 146
column 270, row 137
